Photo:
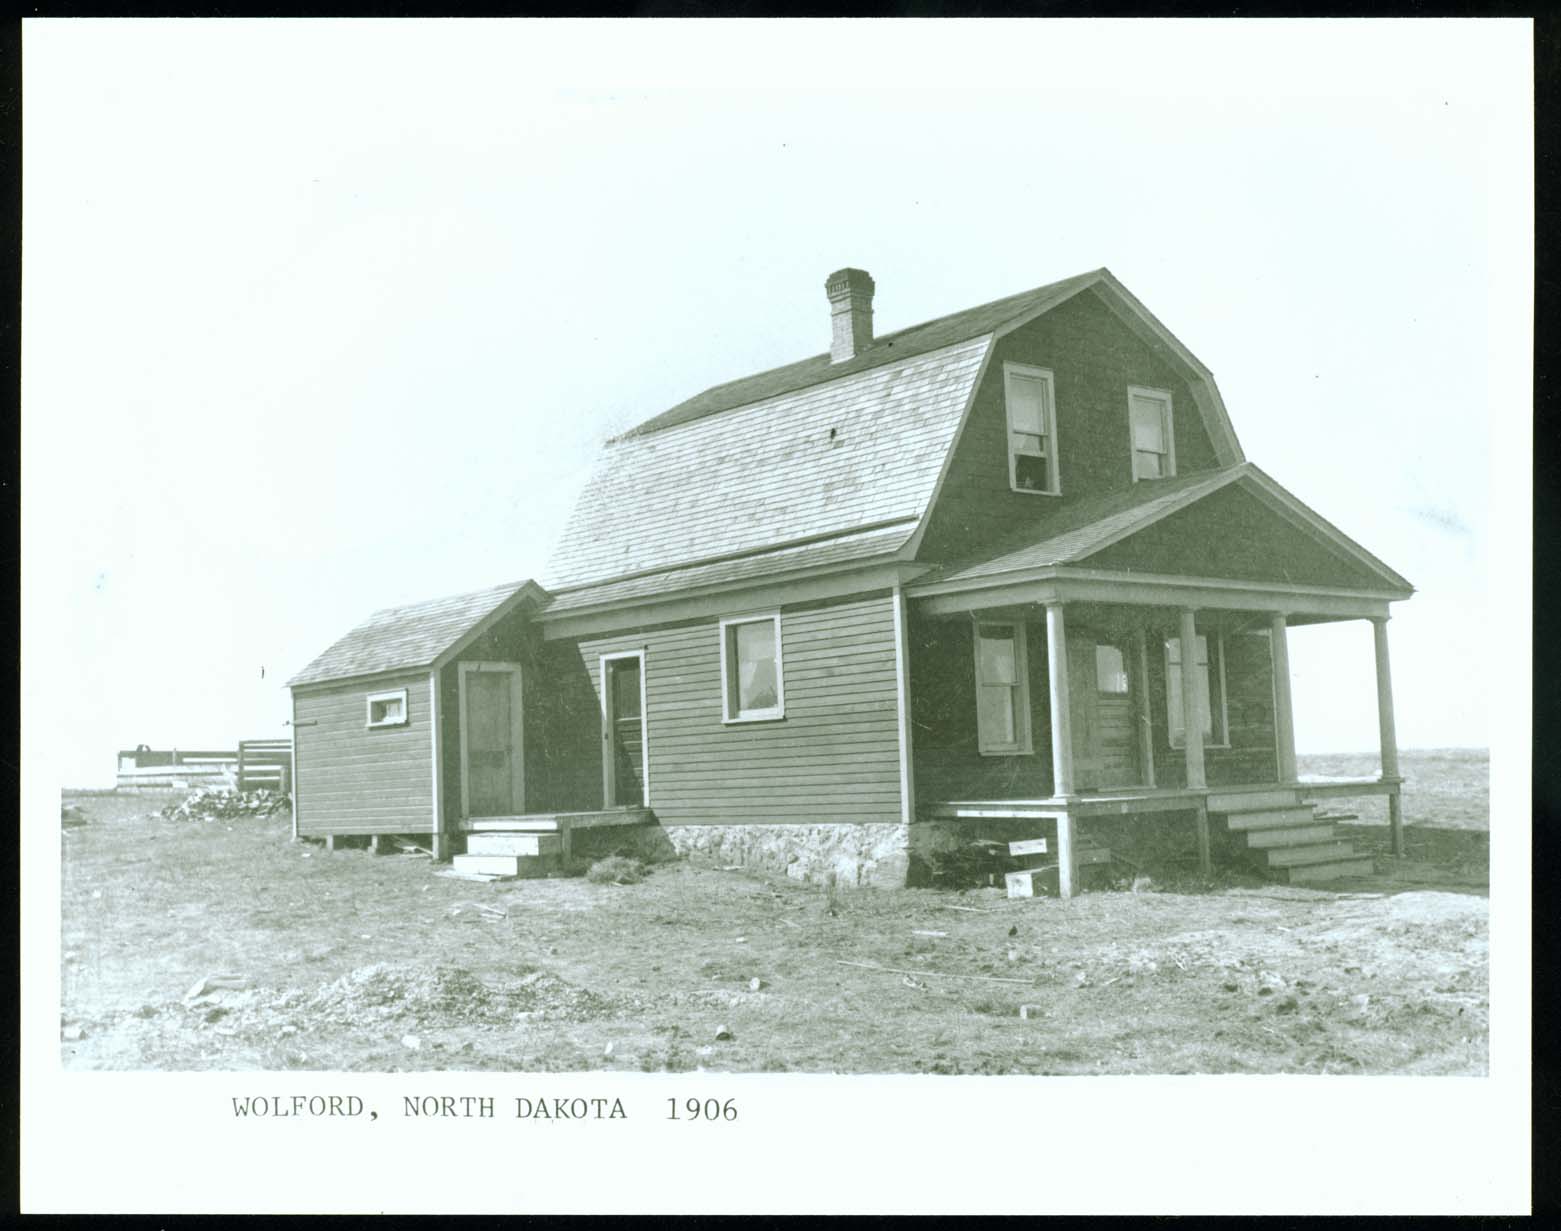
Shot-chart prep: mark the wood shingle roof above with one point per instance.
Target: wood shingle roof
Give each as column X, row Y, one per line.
column 856, row 452
column 416, row 635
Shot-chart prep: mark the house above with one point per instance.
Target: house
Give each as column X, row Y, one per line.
column 1008, row 564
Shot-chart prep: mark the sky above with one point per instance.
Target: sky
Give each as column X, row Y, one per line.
column 321, row 317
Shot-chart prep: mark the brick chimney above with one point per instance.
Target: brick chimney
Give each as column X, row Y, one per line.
column 850, row 294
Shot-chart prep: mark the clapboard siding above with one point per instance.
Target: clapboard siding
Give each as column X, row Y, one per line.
column 833, row 758
column 351, row 779
column 1093, row 358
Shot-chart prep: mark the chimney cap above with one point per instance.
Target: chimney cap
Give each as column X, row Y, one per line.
column 848, row 281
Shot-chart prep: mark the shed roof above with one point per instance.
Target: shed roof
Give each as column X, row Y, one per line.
column 415, row 635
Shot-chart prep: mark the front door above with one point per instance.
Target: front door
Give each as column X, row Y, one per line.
column 1102, row 700
column 623, row 730
column 492, row 762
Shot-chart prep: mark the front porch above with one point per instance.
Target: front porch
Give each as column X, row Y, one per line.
column 1060, row 701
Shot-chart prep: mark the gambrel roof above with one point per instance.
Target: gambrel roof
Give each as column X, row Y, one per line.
column 807, row 453
column 416, row 635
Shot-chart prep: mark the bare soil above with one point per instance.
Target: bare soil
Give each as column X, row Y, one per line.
column 351, row 961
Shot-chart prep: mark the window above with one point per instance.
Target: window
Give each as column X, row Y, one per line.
column 1211, row 690
column 752, row 685
column 1110, row 671
column 1154, row 448
column 1002, row 689
column 1032, row 429
column 388, row 709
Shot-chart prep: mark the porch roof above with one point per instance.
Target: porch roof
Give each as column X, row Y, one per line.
column 1079, row 535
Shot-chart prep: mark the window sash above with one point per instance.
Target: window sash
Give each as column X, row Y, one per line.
column 1002, row 688
column 751, row 668
column 1211, row 695
column 1030, row 405
column 1150, row 436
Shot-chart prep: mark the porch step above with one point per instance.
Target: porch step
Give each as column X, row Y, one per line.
column 1311, row 873
column 1271, row 818
column 556, row 822
column 514, row 843
column 1311, row 853
column 506, row 865
column 1253, row 801
column 1295, row 845
column 1290, row 835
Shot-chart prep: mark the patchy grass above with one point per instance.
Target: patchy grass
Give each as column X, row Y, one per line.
column 359, row 962
column 616, row 870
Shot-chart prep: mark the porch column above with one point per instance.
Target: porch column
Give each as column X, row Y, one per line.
column 1284, row 711
column 1192, row 684
column 1057, row 679
column 1386, row 732
column 1141, row 707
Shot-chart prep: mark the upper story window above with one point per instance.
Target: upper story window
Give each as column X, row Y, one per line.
column 1154, row 447
column 1209, row 660
column 753, row 687
column 1002, row 689
column 1032, row 429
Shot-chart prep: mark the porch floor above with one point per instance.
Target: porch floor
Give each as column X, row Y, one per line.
column 1121, row 801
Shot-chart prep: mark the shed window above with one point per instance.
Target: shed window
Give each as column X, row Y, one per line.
column 1209, row 657
column 1154, row 452
column 752, row 682
column 1002, row 689
column 388, row 709
column 1032, row 429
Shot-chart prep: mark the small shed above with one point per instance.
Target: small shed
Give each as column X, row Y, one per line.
column 371, row 752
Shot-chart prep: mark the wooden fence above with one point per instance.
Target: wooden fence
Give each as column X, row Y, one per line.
column 258, row 763
column 265, row 764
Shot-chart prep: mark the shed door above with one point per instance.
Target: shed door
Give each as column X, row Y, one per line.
column 491, row 753
column 625, row 732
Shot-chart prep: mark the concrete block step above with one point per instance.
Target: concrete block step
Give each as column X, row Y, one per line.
column 1289, row 835
column 1270, row 818
column 1311, row 873
column 506, row 865
column 514, row 844
column 1316, row 852
column 1252, row 801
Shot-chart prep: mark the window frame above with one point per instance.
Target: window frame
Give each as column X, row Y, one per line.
column 1023, row 744
column 1216, row 642
column 1053, row 471
column 730, row 714
column 391, row 694
column 1167, row 426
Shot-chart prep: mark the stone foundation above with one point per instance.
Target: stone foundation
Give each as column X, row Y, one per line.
column 860, row 856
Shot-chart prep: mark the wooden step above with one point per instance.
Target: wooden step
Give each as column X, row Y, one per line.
column 1318, row 852
column 500, row 843
column 1252, row 801
column 1358, row 865
column 511, row 824
column 1289, row 835
column 1271, row 818
column 506, row 865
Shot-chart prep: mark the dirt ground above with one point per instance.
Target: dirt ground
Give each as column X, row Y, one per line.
column 351, row 961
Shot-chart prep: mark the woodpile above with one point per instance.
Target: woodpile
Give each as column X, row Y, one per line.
column 216, row 805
